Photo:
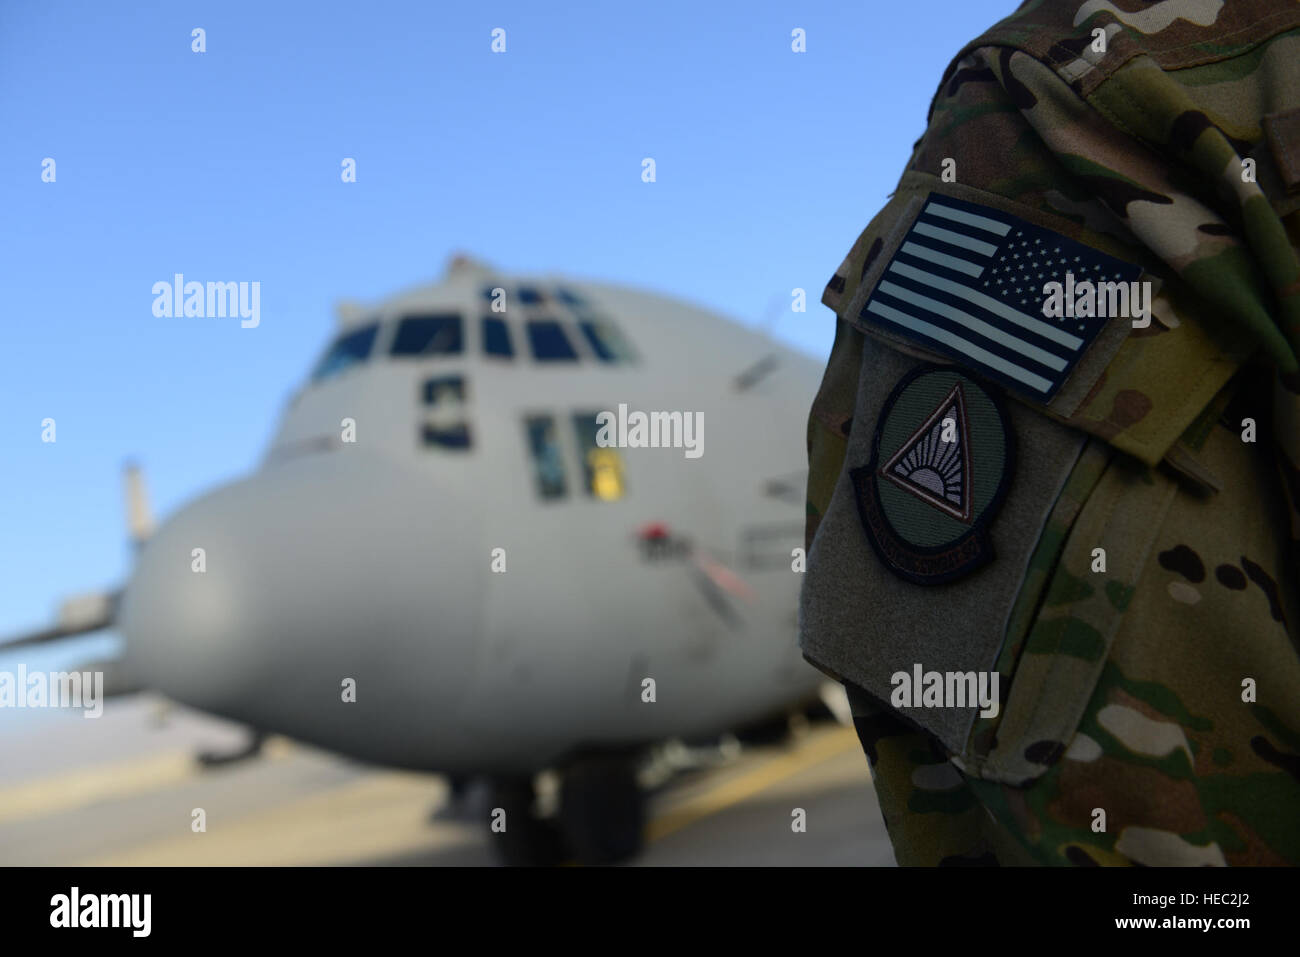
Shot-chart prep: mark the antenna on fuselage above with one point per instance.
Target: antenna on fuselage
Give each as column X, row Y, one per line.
column 463, row 264
column 755, row 373
column 349, row 311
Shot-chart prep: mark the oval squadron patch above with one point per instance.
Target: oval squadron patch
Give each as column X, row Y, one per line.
column 940, row 465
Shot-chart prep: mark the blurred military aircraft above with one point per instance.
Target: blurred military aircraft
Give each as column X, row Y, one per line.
column 442, row 564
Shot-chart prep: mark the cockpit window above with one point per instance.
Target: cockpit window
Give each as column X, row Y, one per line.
column 349, row 349
column 445, row 424
column 445, row 391
column 606, row 341
column 447, row 437
column 549, row 342
column 548, row 461
column 569, row 299
column 602, row 466
column 496, row 338
column 440, row 334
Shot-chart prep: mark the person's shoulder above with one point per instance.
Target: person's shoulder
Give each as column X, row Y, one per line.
column 1085, row 41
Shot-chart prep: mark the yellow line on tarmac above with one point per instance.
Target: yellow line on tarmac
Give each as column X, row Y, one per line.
column 380, row 815
column 747, row 785
column 69, row 790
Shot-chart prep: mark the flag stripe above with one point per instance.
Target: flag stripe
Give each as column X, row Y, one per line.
column 1042, row 356
column 957, row 239
column 942, row 259
column 923, row 328
column 992, row 305
column 1001, row 345
column 970, row 219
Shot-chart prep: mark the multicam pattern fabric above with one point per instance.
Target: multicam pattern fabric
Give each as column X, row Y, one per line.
column 1151, row 711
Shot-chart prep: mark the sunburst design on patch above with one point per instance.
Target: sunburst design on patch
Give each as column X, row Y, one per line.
column 934, row 462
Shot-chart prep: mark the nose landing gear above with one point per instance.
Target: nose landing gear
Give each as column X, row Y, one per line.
column 601, row 818
column 519, row 836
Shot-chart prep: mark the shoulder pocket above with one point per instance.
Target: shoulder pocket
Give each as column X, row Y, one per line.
column 925, row 542
column 997, row 658
column 1071, row 320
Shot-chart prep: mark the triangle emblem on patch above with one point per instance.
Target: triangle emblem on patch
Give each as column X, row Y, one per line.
column 933, row 464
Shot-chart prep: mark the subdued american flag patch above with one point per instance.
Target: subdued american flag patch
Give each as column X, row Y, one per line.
column 967, row 281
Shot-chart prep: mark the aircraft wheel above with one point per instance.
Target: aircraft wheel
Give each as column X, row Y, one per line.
column 774, row 729
column 602, row 809
column 527, row 841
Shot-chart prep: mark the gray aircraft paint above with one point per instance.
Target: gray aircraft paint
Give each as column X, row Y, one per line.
column 371, row 560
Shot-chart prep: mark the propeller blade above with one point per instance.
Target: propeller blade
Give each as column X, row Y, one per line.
column 79, row 615
column 139, row 516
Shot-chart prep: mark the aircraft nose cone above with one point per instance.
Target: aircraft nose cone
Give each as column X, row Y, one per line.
column 264, row 600
column 185, row 614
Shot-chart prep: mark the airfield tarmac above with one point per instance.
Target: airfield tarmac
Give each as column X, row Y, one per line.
column 121, row 790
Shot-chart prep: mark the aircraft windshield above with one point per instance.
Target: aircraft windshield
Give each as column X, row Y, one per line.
column 606, row 341
column 429, row 335
column 349, row 349
column 549, row 343
column 496, row 338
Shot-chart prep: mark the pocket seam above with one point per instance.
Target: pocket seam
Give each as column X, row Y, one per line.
column 1006, row 763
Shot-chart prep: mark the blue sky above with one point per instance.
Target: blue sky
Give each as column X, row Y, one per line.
column 225, row 165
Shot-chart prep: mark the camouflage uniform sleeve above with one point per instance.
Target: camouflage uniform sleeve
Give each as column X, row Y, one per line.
column 1171, row 677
